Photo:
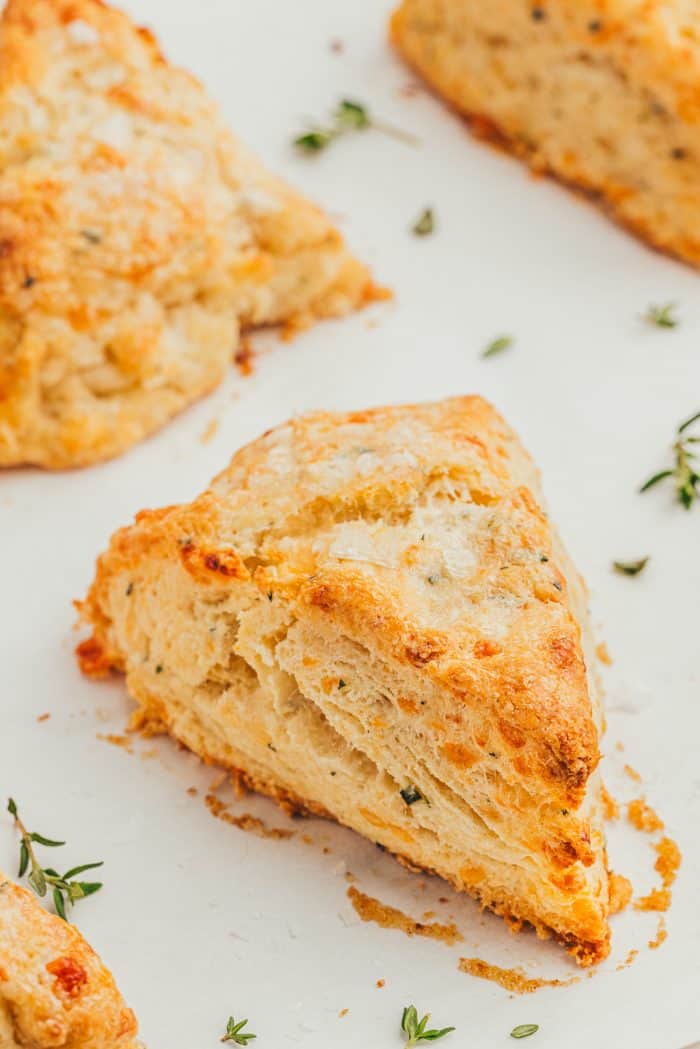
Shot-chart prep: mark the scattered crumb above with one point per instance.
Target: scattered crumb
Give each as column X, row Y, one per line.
column 307, row 839
column 218, row 782
column 210, row 431
column 611, row 810
column 192, row 791
column 668, row 861
column 410, row 90
column 632, row 773
column 117, row 741
column 371, row 910
column 326, row 850
column 146, row 724
column 603, row 654
column 336, row 46
column 43, row 717
column 643, row 817
column 244, row 356
column 631, row 955
column 443, row 899
column 661, row 935
column 511, row 979
column 656, row 900
column 620, row 892
column 350, row 877
column 343, row 1012
column 619, row 745
column 245, row 821
column 381, row 983
column 427, row 915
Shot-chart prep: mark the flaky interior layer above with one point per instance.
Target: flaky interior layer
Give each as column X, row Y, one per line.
column 584, row 93
column 316, row 716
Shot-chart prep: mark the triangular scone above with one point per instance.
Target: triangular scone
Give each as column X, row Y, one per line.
column 369, row 615
column 136, row 237
column 601, row 93
column 54, row 990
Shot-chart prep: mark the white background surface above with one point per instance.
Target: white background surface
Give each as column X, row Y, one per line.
column 198, row 919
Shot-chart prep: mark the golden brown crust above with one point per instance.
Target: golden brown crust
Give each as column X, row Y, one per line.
column 55, row 993
column 137, row 236
column 385, row 586
column 602, row 94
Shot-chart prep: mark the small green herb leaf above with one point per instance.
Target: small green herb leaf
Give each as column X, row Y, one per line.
column 59, row 904
column 524, row 1030
column 236, row 1034
column 416, row 1029
column 631, row 567
column 425, row 224
column 41, row 840
column 503, row 342
column 662, row 316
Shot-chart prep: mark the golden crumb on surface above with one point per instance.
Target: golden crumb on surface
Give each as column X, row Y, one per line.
column 603, row 654
column 245, row 821
column 370, row 909
column 43, row 717
column 661, row 935
column 643, row 817
column 116, row 740
column 515, row 980
column 632, row 954
column 210, row 431
column 611, row 810
column 632, row 773
column 620, row 892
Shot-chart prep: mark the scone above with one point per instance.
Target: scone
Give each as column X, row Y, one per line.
column 370, row 617
column 137, row 236
column 55, row 993
column 604, row 94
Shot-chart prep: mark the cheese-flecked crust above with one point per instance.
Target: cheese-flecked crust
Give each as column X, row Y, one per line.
column 603, row 94
column 371, row 601
column 55, row 993
column 136, row 237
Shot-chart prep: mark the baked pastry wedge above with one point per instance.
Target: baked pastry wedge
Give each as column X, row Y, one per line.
column 55, row 993
column 369, row 617
column 137, row 236
column 602, row 94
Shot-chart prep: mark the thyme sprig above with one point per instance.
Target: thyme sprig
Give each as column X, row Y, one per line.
column 662, row 316
column 684, row 474
column 347, row 116
column 416, row 1029
column 64, row 888
column 236, row 1034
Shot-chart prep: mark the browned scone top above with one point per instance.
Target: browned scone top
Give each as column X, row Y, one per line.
column 136, row 237
column 604, row 94
column 383, row 591
column 55, row 993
